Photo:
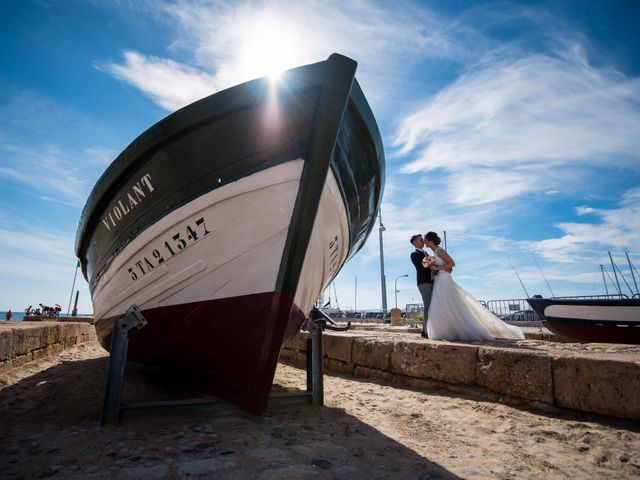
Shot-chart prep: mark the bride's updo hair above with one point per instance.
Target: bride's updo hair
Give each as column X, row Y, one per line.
column 433, row 237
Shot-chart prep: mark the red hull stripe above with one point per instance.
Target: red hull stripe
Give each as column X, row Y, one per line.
column 224, row 339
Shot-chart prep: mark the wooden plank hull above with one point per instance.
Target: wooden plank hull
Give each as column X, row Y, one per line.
column 224, row 223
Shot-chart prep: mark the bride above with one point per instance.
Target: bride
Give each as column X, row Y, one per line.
column 454, row 314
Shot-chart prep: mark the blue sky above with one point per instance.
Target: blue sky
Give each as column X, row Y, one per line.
column 514, row 126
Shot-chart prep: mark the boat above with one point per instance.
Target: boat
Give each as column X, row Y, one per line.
column 226, row 220
column 590, row 320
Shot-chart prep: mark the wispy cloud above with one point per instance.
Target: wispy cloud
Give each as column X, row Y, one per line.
column 526, row 111
column 217, row 45
column 616, row 229
column 34, row 156
column 169, row 84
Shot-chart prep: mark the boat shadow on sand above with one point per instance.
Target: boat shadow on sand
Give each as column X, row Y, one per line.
column 50, row 424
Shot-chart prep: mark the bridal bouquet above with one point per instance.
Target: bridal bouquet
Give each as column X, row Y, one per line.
column 428, row 260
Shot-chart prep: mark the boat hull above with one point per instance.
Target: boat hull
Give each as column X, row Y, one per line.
column 224, row 223
column 603, row 321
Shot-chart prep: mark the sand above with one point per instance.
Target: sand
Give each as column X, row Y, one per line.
column 50, row 409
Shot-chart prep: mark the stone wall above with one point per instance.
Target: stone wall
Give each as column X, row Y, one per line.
column 22, row 342
column 607, row 383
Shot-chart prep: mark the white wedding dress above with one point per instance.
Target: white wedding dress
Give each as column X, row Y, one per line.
column 455, row 315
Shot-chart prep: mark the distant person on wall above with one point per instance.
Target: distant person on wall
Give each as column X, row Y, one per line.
column 424, row 277
column 8, row 315
column 454, row 314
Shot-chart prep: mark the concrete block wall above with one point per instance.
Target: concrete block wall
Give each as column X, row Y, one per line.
column 23, row 342
column 590, row 383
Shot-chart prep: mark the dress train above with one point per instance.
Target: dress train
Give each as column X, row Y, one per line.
column 455, row 315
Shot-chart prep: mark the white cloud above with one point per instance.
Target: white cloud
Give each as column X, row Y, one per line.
column 584, row 210
column 44, row 170
column 40, row 154
column 533, row 109
column 223, row 44
column 99, row 155
column 171, row 85
column 617, row 229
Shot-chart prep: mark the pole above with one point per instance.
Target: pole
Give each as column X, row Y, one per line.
column 615, row 274
column 445, row 240
column 395, row 288
column 72, row 287
column 604, row 280
column 632, row 275
column 383, row 281
column 74, row 312
column 355, row 299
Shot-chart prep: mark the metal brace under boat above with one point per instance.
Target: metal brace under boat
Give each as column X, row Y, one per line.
column 114, row 410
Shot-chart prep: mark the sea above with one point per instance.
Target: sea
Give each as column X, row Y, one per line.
column 15, row 316
column 19, row 316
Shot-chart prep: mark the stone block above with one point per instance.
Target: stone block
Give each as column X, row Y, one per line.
column 445, row 362
column 338, row 366
column 372, row 352
column 19, row 346
column 6, row 345
column 610, row 387
column 339, row 346
column 50, row 334
column 298, row 342
column 365, row 372
column 516, row 373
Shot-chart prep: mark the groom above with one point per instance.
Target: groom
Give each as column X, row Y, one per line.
column 424, row 277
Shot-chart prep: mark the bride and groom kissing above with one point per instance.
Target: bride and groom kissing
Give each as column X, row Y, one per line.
column 450, row 312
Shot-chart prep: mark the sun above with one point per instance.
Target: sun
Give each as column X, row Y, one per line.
column 267, row 47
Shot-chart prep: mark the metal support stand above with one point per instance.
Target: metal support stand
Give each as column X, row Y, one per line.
column 315, row 373
column 113, row 409
column 316, row 323
column 117, row 362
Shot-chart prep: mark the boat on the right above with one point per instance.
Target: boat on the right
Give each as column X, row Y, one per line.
column 591, row 320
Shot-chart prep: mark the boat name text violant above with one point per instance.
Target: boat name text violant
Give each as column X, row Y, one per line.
column 123, row 206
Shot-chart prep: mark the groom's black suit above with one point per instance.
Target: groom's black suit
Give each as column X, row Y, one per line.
column 423, row 274
column 424, row 278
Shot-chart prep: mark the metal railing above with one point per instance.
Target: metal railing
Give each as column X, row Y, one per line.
column 511, row 310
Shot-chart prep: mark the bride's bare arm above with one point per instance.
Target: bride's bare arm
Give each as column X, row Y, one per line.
column 448, row 261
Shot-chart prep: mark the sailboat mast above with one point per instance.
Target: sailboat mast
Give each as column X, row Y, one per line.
column 632, row 274
column 542, row 273
column 604, row 280
column 522, row 284
column 613, row 265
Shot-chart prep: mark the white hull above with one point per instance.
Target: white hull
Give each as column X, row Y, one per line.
column 241, row 229
column 610, row 313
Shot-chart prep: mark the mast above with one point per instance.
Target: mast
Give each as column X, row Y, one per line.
column 604, row 280
column 613, row 265
column 522, row 284
column 632, row 274
column 542, row 273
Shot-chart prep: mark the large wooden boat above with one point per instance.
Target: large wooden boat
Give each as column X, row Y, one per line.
column 586, row 320
column 226, row 220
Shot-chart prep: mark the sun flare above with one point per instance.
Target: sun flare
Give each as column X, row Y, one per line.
column 268, row 47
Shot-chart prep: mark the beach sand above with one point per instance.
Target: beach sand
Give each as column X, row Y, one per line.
column 50, row 410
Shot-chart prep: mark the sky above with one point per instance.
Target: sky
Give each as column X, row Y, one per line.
column 512, row 126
